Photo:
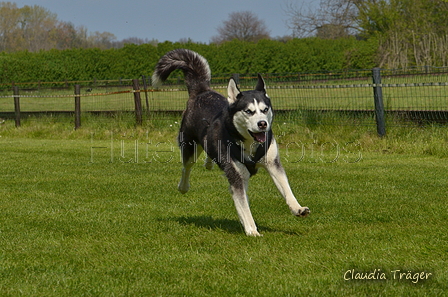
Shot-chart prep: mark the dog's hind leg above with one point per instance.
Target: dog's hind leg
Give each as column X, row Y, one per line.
column 190, row 153
column 238, row 177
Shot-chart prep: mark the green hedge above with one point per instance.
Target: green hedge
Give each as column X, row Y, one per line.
column 132, row 61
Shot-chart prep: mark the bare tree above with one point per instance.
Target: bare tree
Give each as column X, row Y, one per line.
column 244, row 25
column 331, row 19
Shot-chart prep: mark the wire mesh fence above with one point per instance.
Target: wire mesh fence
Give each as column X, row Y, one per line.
column 411, row 95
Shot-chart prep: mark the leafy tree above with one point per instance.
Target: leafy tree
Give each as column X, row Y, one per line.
column 38, row 26
column 410, row 32
column 407, row 32
column 10, row 37
column 102, row 40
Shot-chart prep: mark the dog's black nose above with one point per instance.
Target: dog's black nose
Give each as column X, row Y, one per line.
column 262, row 125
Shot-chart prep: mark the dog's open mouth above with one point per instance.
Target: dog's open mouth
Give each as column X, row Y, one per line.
column 258, row 137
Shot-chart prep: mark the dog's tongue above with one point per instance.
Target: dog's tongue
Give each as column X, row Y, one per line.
column 260, row 137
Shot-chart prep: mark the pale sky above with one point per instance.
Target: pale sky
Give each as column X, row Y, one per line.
column 163, row 20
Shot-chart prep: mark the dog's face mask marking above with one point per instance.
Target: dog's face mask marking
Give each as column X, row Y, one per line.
column 253, row 113
column 254, row 121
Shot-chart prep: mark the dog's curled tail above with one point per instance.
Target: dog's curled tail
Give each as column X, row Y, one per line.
column 195, row 67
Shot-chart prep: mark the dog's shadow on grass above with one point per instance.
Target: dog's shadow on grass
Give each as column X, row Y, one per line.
column 207, row 222
column 229, row 226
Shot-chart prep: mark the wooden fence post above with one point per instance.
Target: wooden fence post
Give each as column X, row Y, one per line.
column 77, row 106
column 16, row 104
column 379, row 106
column 138, row 102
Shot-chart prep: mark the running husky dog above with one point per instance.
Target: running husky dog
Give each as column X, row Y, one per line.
column 235, row 132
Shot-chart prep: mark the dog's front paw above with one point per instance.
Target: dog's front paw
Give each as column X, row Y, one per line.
column 302, row 212
column 254, row 234
column 183, row 187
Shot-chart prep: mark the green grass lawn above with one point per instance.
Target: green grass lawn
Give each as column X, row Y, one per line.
column 99, row 214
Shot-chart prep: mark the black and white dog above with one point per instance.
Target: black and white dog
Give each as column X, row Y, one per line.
column 235, row 132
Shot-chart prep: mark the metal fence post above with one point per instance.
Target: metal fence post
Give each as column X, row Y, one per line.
column 379, row 105
column 16, row 104
column 145, row 86
column 236, row 77
column 77, row 106
column 137, row 101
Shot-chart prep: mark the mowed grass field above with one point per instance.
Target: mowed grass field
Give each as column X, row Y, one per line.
column 96, row 212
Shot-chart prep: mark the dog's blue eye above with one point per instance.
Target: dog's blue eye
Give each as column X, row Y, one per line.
column 265, row 110
column 248, row 111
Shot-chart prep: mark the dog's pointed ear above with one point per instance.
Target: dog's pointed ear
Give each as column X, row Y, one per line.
column 232, row 91
column 260, row 84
